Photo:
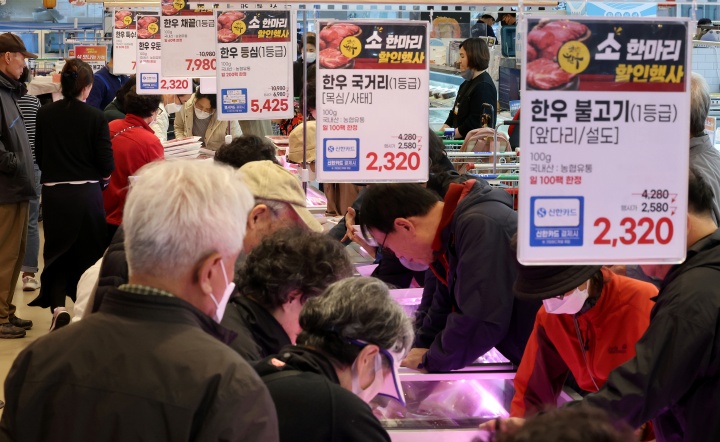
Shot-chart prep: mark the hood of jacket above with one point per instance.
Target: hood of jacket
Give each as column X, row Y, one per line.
column 266, row 331
column 704, row 253
column 298, row 358
column 14, row 86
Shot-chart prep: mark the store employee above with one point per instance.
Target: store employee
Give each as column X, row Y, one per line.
column 477, row 89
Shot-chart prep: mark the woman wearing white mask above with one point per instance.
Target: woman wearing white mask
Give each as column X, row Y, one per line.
column 477, row 89
column 198, row 117
column 589, row 323
column 354, row 337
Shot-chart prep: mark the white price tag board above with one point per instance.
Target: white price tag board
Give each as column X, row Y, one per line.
column 125, row 41
column 604, row 131
column 149, row 55
column 254, row 76
column 187, row 36
column 372, row 101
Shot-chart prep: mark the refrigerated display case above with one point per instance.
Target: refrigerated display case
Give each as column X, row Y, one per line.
column 446, row 406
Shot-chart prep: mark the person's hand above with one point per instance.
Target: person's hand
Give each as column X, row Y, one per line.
column 444, row 126
column 354, row 237
column 414, row 359
column 502, row 425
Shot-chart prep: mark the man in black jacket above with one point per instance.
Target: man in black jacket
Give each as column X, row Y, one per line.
column 153, row 363
column 674, row 378
column 17, row 178
column 465, row 241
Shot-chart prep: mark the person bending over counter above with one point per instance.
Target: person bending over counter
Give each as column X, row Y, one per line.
column 198, row 117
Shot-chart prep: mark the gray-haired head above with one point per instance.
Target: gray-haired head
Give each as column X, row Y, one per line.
column 179, row 212
column 699, row 104
column 355, row 309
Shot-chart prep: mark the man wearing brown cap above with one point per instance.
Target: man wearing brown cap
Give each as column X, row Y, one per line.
column 17, row 178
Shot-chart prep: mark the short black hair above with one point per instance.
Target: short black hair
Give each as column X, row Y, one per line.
column 292, row 260
column 141, row 105
column 704, row 21
column 211, row 97
column 76, row 75
column 245, row 149
column 478, row 53
column 384, row 203
column 580, row 423
column 487, row 16
column 700, row 195
column 120, row 94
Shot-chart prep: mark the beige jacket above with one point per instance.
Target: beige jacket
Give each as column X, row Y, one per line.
column 215, row 134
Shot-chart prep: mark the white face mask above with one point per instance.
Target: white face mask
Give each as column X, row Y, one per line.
column 220, row 306
column 311, row 57
column 173, row 108
column 201, row 114
column 414, row 266
column 369, row 393
column 569, row 304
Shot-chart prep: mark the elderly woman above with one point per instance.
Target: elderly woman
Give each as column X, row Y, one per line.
column 134, row 145
column 74, row 153
column 278, row 277
column 198, row 117
column 477, row 89
column 354, row 337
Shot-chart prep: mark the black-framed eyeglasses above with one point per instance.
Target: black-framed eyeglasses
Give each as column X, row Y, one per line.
column 160, row 111
column 382, row 246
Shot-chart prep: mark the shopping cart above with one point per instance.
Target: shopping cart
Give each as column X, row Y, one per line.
column 506, row 181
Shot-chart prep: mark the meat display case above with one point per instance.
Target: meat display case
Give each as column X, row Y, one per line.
column 446, row 406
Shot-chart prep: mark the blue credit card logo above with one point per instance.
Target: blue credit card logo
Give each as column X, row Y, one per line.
column 556, row 221
column 341, row 154
column 150, row 81
column 234, row 101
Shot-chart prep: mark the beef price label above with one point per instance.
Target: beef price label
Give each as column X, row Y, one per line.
column 187, row 36
column 604, row 136
column 149, row 56
column 254, row 60
column 372, row 106
column 124, row 41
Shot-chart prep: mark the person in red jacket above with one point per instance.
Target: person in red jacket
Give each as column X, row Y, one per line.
column 588, row 325
column 134, row 144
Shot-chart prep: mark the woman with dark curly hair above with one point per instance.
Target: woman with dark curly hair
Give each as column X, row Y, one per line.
column 134, row 145
column 74, row 153
column 279, row 275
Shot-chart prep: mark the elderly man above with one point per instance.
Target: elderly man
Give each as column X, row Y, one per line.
column 154, row 363
column 704, row 157
column 465, row 241
column 279, row 203
column 17, row 182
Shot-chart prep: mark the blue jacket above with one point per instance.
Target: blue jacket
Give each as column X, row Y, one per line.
column 104, row 88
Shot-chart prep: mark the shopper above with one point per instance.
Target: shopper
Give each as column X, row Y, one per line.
column 198, row 117
column 75, row 156
column 311, row 56
column 246, row 148
column 465, row 241
column 160, row 367
column 353, row 337
column 278, row 277
column 674, row 378
column 588, row 325
column 105, row 86
column 115, row 110
column 483, row 27
column 172, row 104
column 704, row 157
column 134, row 144
column 16, row 182
column 477, row 90
column 29, row 106
column 279, row 204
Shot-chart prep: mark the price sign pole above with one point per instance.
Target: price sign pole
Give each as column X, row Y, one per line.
column 368, row 74
column 605, row 130
column 124, row 41
column 149, row 79
column 186, row 33
column 254, row 76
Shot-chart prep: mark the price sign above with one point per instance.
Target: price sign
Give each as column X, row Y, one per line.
column 95, row 56
column 124, row 41
column 372, row 107
column 605, row 128
column 186, row 35
column 149, row 78
column 254, row 76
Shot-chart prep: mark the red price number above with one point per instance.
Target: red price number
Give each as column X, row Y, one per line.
column 270, row 105
column 200, row 64
column 642, row 231
column 134, row 65
column 174, row 84
column 393, row 161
